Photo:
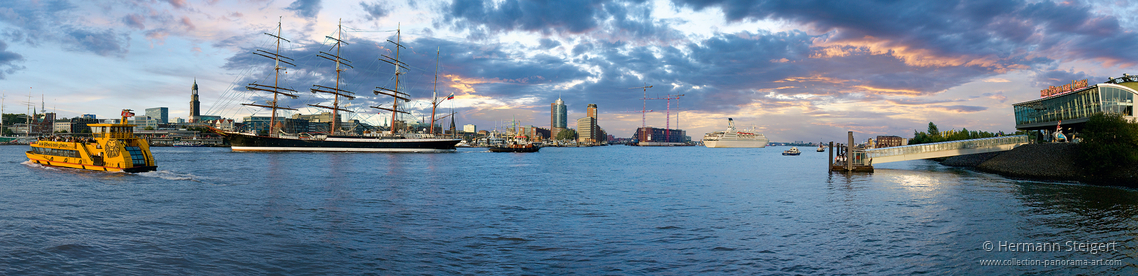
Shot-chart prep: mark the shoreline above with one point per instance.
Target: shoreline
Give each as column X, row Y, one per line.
column 1052, row 161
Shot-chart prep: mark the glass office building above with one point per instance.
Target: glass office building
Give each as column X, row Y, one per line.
column 1074, row 108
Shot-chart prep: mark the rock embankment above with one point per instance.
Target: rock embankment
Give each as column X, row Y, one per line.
column 971, row 160
column 1043, row 161
column 1050, row 161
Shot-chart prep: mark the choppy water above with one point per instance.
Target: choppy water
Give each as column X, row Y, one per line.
column 604, row 210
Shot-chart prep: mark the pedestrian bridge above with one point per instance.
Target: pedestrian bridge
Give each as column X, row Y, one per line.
column 945, row 149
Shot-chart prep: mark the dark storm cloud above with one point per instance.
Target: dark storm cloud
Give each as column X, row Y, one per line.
column 635, row 21
column 37, row 22
column 1008, row 29
column 731, row 70
column 619, row 19
column 886, row 72
column 375, row 10
column 8, row 61
column 305, row 8
column 495, row 62
column 573, row 16
column 723, row 72
column 33, row 22
column 104, row 42
column 728, row 69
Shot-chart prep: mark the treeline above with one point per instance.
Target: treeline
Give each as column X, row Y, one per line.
column 934, row 135
column 1109, row 150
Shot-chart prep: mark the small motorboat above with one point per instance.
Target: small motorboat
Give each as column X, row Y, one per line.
column 792, row 151
column 821, row 148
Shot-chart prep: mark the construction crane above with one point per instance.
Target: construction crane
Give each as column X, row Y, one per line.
column 668, row 117
column 643, row 117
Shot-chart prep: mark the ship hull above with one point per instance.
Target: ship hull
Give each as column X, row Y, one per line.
column 83, row 164
column 509, row 149
column 244, row 142
column 736, row 144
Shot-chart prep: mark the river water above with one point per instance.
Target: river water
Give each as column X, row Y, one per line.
column 601, row 210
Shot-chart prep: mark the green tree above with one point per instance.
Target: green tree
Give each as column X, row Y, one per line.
column 1109, row 142
column 567, row 134
column 10, row 118
column 934, row 135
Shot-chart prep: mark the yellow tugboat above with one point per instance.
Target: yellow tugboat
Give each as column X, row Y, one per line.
column 112, row 148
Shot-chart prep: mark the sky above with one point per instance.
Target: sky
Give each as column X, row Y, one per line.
column 794, row 70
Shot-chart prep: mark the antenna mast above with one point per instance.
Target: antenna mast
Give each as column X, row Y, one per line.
column 275, row 88
column 335, row 91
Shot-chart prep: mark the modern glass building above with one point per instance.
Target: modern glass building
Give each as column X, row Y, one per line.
column 161, row 114
column 558, row 115
column 1074, row 108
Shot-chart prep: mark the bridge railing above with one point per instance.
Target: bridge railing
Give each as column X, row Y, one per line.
column 950, row 145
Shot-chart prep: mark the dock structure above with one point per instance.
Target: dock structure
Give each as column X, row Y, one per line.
column 946, row 149
column 853, row 159
column 848, row 158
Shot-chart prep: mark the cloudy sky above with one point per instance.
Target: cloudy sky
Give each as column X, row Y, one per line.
column 797, row 70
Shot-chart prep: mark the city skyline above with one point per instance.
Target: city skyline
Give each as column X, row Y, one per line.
column 797, row 70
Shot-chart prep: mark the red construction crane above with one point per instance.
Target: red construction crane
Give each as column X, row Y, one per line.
column 668, row 117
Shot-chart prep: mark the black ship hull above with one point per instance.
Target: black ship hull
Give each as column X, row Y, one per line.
column 245, row 142
column 515, row 149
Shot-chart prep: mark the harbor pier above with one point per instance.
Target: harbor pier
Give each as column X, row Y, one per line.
column 848, row 158
column 861, row 159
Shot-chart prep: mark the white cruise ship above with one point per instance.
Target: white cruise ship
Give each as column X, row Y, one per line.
column 731, row 138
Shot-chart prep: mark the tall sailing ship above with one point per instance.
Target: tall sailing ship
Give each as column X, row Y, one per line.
column 335, row 140
column 732, row 138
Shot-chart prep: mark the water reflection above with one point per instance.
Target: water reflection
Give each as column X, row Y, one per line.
column 278, row 202
column 1093, row 213
column 637, row 211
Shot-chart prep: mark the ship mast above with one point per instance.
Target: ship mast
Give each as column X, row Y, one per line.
column 275, row 88
column 394, row 93
column 435, row 98
column 335, row 91
column 435, row 93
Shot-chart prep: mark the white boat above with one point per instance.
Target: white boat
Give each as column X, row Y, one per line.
column 792, row 151
column 821, row 148
column 731, row 138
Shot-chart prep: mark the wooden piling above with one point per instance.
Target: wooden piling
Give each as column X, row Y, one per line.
column 831, row 166
column 849, row 153
column 846, row 151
